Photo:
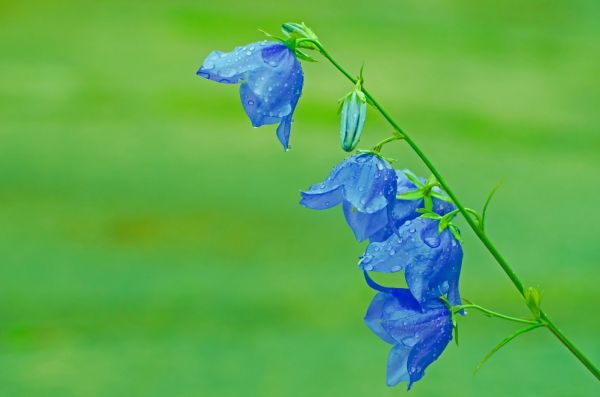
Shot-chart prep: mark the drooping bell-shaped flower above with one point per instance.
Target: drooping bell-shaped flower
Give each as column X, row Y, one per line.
column 271, row 82
column 352, row 119
column 405, row 209
column 365, row 185
column 431, row 259
column 418, row 336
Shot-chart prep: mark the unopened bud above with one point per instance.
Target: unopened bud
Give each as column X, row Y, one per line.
column 298, row 31
column 533, row 300
column 354, row 112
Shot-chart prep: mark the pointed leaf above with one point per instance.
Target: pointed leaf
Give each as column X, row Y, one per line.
column 414, row 195
column 504, row 342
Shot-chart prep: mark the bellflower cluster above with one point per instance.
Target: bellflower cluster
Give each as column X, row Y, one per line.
column 389, row 207
column 406, row 219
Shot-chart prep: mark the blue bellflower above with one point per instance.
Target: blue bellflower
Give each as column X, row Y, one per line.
column 405, row 210
column 365, row 185
column 431, row 260
column 418, row 337
column 271, row 82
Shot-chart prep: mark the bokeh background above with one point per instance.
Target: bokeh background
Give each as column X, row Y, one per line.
column 151, row 241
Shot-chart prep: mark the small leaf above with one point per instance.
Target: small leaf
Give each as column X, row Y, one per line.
column 305, row 57
column 456, row 333
column 487, row 202
column 414, row 195
column 441, row 196
column 431, row 215
column 456, row 233
column 414, row 179
column 504, row 342
column 432, row 180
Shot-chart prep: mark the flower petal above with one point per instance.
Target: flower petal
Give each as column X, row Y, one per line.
column 397, row 370
column 430, row 276
column 419, row 336
column 434, row 341
column 373, row 185
column 270, row 94
column 364, row 225
column 395, row 253
column 373, row 317
column 230, row 67
column 283, row 131
column 328, row 193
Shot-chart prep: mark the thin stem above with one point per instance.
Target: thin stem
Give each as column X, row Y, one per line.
column 496, row 314
column 395, row 137
column 470, row 221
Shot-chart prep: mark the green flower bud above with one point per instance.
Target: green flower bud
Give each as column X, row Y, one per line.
column 295, row 30
column 352, row 121
column 533, row 300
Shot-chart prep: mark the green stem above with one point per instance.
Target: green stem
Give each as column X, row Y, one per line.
column 395, row 137
column 496, row 314
column 472, row 223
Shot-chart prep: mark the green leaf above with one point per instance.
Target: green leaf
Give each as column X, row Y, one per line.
column 456, row 233
column 413, row 179
column 456, row 333
column 487, row 202
column 432, row 180
column 414, row 195
column 441, row 196
column 431, row 215
column 305, row 57
column 504, row 342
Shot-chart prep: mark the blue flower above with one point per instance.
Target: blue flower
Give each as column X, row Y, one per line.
column 405, row 210
column 431, row 260
column 418, row 336
column 365, row 185
column 271, row 82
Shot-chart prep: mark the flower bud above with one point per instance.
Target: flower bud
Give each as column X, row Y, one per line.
column 354, row 112
column 298, row 31
column 533, row 300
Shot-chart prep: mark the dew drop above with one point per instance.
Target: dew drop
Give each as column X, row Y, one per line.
column 432, row 241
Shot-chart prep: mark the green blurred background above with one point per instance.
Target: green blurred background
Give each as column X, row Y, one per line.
column 152, row 243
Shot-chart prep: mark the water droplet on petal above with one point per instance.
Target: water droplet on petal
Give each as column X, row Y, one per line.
column 395, row 268
column 432, row 241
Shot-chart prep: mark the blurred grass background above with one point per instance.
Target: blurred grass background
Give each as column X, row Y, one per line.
column 151, row 243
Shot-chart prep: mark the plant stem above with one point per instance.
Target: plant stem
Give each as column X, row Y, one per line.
column 472, row 223
column 499, row 315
